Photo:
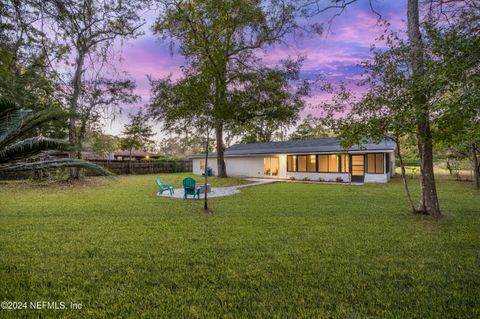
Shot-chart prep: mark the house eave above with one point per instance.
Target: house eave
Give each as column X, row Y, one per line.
column 294, row 153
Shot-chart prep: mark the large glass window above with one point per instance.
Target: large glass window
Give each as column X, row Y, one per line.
column 328, row 163
column 312, row 163
column 323, row 163
column 375, row 163
column 333, row 164
column 302, row 163
column 291, row 163
column 344, row 163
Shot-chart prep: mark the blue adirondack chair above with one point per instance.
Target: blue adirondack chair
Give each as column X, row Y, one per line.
column 189, row 188
column 164, row 186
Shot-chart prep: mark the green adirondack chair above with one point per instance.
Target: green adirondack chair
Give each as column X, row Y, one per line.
column 189, row 188
column 164, row 186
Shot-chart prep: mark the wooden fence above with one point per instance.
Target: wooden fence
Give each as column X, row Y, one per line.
column 121, row 168
column 145, row 167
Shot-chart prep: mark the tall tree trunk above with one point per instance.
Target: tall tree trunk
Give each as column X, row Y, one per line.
column 205, row 195
column 476, row 166
column 221, row 112
column 404, row 178
column 79, row 144
column 72, row 130
column 428, row 199
column 222, row 169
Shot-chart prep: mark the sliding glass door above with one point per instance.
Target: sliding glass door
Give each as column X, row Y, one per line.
column 271, row 166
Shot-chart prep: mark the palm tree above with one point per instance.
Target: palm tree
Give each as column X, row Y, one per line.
column 18, row 152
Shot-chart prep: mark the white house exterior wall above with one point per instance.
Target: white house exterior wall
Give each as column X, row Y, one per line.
column 212, row 163
column 252, row 166
column 245, row 166
column 376, row 178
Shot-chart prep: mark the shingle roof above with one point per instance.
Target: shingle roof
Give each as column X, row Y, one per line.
column 321, row 145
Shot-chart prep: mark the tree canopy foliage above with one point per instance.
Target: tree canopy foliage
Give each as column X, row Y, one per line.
column 447, row 83
column 218, row 40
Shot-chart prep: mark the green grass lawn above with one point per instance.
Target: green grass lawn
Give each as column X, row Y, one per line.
column 281, row 250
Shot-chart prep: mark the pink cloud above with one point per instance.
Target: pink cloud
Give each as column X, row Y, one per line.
column 149, row 58
column 334, row 55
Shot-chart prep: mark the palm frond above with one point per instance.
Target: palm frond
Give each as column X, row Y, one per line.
column 22, row 126
column 53, row 164
column 29, row 147
column 6, row 106
column 10, row 123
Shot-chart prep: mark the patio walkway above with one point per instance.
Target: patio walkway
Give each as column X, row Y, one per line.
column 232, row 190
column 221, row 191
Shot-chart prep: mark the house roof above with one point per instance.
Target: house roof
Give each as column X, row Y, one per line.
column 321, row 145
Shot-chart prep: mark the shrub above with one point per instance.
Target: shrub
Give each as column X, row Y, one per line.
column 339, row 179
column 321, row 179
column 306, row 179
column 292, row 178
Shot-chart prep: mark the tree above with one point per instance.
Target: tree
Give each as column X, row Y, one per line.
column 311, row 128
column 89, row 29
column 218, row 38
column 101, row 143
column 411, row 86
column 101, row 97
column 185, row 106
column 457, row 46
column 136, row 135
column 18, row 153
column 429, row 198
column 23, row 66
column 182, row 144
column 25, row 54
column 267, row 101
column 421, row 105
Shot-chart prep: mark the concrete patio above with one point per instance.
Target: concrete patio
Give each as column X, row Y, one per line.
column 220, row 191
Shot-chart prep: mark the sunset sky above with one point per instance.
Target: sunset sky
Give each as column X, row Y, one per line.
column 335, row 54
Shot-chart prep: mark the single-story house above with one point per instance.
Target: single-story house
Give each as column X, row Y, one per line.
column 317, row 160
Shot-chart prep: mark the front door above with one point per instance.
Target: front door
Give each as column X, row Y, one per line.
column 358, row 168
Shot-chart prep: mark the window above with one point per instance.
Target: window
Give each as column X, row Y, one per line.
column 333, row 164
column 344, row 163
column 302, row 163
column 375, row 163
column 291, row 163
column 328, row 163
column 202, row 164
column 312, row 163
column 323, row 163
